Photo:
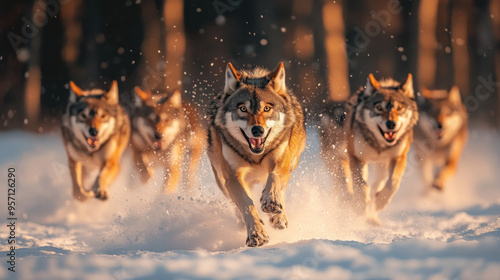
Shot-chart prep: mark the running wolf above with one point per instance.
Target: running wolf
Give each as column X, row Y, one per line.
column 440, row 134
column 163, row 127
column 256, row 135
column 374, row 126
column 96, row 131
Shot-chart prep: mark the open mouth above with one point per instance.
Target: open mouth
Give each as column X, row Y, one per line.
column 92, row 141
column 157, row 145
column 389, row 136
column 439, row 133
column 256, row 144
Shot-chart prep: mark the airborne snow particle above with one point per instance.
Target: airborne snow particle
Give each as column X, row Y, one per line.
column 263, row 42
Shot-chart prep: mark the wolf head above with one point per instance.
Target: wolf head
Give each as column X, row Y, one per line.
column 387, row 109
column 157, row 118
column 442, row 114
column 93, row 114
column 255, row 107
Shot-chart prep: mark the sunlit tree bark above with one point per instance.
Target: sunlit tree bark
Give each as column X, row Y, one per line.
column 427, row 42
column 175, row 42
column 338, row 83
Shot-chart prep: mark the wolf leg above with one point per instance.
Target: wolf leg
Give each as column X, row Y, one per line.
column 273, row 197
column 381, row 175
column 361, row 192
column 451, row 163
column 106, row 176
column 256, row 235
column 141, row 161
column 76, row 177
column 173, row 168
column 194, row 161
column 396, row 170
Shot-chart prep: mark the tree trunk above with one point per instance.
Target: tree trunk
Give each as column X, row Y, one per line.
column 33, row 87
column 175, row 42
column 336, row 54
column 460, row 18
column 427, row 16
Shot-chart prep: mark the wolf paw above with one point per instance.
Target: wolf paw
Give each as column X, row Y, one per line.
column 270, row 205
column 101, row 194
column 257, row 238
column 279, row 221
column 83, row 195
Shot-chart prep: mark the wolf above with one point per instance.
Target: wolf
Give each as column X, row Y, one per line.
column 256, row 134
column 95, row 131
column 440, row 134
column 163, row 128
column 375, row 125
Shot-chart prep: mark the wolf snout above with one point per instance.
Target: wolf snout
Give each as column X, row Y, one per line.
column 93, row 131
column 257, row 131
column 390, row 125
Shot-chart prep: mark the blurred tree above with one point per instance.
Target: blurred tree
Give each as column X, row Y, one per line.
column 427, row 17
column 175, row 42
column 335, row 46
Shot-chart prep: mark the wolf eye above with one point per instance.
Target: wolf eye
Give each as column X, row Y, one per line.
column 83, row 116
column 400, row 108
column 378, row 107
column 267, row 109
column 243, row 108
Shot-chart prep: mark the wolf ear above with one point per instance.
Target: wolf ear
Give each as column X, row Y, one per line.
column 454, row 96
column 371, row 85
column 407, row 86
column 175, row 100
column 426, row 93
column 232, row 78
column 143, row 95
column 74, row 92
column 277, row 77
column 112, row 94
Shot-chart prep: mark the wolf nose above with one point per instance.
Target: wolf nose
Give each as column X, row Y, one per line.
column 93, row 131
column 157, row 136
column 390, row 125
column 439, row 125
column 257, row 131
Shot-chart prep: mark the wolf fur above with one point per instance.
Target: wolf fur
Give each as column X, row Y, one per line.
column 163, row 129
column 440, row 135
column 374, row 126
column 255, row 136
column 95, row 131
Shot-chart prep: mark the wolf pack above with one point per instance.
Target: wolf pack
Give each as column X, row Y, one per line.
column 254, row 134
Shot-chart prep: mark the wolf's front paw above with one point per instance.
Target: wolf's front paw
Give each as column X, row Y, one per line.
column 279, row 221
column 83, row 195
column 257, row 237
column 101, row 194
column 271, row 204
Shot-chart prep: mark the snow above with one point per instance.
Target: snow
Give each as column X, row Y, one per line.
column 140, row 232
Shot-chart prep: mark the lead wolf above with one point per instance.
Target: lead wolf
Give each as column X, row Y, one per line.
column 440, row 134
column 96, row 131
column 256, row 135
column 374, row 126
column 163, row 128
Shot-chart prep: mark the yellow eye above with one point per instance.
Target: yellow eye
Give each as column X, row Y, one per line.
column 267, row 109
column 243, row 108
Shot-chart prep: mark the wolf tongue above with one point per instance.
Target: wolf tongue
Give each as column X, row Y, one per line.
column 256, row 142
column 92, row 142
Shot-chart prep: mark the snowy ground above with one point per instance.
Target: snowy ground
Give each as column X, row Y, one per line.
column 141, row 233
